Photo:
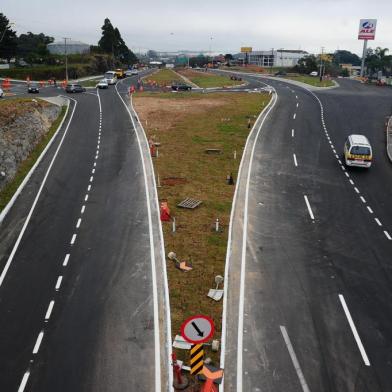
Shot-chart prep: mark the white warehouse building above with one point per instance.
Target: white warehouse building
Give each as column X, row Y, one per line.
column 73, row 47
column 273, row 58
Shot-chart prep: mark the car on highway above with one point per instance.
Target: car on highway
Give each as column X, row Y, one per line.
column 358, row 151
column 313, row 73
column 33, row 88
column 131, row 72
column 102, row 84
column 110, row 77
column 178, row 86
column 74, row 88
column 1, row 93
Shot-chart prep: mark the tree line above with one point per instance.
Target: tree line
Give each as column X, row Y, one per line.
column 32, row 48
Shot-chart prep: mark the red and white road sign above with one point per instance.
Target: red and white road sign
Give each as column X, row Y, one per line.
column 197, row 329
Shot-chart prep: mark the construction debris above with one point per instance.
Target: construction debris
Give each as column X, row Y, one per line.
column 216, row 294
column 181, row 265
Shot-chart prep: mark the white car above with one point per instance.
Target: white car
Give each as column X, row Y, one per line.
column 102, row 84
column 1, row 93
column 313, row 73
column 110, row 77
column 131, row 72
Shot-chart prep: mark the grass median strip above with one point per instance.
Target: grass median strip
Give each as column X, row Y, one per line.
column 25, row 166
column 207, row 79
column 312, row 80
column 199, row 136
column 164, row 77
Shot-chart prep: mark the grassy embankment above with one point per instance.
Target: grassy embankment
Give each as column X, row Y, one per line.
column 208, row 79
column 311, row 80
column 25, row 166
column 186, row 125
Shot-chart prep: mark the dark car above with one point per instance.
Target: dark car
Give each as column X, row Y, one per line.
column 181, row 87
column 74, row 88
column 33, row 88
column 280, row 73
column 234, row 77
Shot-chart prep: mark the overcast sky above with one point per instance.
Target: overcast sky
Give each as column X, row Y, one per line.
column 218, row 25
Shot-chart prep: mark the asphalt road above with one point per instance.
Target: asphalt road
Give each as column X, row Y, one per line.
column 76, row 303
column 317, row 295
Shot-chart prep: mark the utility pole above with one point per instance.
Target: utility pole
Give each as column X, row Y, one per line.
column 321, row 63
column 66, row 58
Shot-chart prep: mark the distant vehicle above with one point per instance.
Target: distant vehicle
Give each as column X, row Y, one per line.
column 33, row 88
column 120, row 73
column 234, row 77
column 74, row 88
column 280, row 73
column 131, row 72
column 313, row 73
column 102, row 84
column 1, row 93
column 110, row 77
column 358, row 151
column 180, row 87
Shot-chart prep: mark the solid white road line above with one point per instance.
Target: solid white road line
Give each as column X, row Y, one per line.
column 78, row 223
column 369, row 209
column 378, row 221
column 58, row 283
column 38, row 342
column 23, row 384
column 295, row 160
column 73, row 239
column 66, row 259
column 294, row 359
column 387, row 235
column 354, row 331
column 309, row 208
column 294, row 116
column 83, row 209
column 15, row 248
column 49, row 311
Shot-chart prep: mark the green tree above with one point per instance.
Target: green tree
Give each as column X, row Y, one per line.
column 8, row 41
column 112, row 42
column 33, row 47
column 377, row 60
column 306, row 64
column 345, row 57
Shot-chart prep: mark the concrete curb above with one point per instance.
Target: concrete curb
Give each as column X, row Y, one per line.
column 234, row 254
column 9, row 205
column 164, row 320
column 389, row 138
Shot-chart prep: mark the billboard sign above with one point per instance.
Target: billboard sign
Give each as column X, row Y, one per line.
column 246, row 49
column 367, row 29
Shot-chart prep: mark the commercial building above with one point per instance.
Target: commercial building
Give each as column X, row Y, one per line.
column 73, row 47
column 272, row 58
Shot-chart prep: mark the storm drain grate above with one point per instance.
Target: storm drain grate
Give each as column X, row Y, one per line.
column 189, row 203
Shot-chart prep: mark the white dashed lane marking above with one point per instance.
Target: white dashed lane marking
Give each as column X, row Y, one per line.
column 38, row 342
column 73, row 239
column 49, row 311
column 66, row 259
column 309, row 207
column 58, row 283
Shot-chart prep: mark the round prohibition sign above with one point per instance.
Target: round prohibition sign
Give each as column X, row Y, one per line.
column 197, row 329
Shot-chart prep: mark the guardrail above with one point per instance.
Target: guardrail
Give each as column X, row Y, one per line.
column 389, row 138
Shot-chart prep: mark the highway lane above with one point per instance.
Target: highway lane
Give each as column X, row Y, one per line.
column 93, row 307
column 296, row 331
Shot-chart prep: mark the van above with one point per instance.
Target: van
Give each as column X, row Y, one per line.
column 111, row 77
column 358, row 151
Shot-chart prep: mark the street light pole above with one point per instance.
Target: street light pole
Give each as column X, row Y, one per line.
column 66, row 58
